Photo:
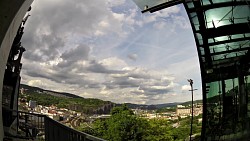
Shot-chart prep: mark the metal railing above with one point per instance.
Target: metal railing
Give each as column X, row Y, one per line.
column 55, row 131
column 41, row 127
column 32, row 124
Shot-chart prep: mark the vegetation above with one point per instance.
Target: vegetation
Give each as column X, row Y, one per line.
column 123, row 125
column 77, row 104
column 190, row 102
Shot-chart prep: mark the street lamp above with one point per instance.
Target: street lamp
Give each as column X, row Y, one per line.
column 192, row 91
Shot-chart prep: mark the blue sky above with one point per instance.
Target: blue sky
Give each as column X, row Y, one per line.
column 110, row 50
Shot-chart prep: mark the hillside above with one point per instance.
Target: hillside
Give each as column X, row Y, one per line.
column 150, row 107
column 31, row 89
column 190, row 102
column 65, row 100
column 74, row 102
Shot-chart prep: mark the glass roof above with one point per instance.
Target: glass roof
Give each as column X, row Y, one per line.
column 222, row 33
column 217, row 27
column 221, row 28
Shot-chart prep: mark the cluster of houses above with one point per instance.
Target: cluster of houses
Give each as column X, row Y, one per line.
column 59, row 114
column 180, row 112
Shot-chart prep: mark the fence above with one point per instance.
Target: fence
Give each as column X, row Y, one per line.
column 38, row 126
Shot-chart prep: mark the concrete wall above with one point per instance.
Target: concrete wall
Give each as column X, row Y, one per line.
column 11, row 15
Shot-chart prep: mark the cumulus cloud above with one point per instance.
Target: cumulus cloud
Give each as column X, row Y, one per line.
column 73, row 46
column 185, row 88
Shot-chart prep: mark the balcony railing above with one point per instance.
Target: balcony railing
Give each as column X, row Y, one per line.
column 55, row 131
column 37, row 126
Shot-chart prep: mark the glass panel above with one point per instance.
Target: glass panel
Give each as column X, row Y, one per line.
column 205, row 2
column 214, row 108
column 228, row 47
column 214, row 90
column 237, row 36
column 227, row 113
column 218, row 57
column 218, row 48
column 227, row 15
column 222, row 38
column 210, row 40
column 218, row 17
column 241, row 14
column 199, row 37
column 247, row 81
column 202, row 51
column 230, row 106
column 247, row 35
column 220, row 1
column 190, row 5
column 194, row 19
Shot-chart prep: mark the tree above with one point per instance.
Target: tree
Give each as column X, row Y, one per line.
column 123, row 125
column 122, row 110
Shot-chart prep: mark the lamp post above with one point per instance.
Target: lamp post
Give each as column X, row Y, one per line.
column 192, row 92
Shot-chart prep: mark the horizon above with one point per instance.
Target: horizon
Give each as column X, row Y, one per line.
column 114, row 102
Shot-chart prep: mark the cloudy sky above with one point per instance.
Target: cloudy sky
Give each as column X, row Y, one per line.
column 107, row 49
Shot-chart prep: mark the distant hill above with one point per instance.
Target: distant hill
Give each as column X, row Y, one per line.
column 39, row 90
column 31, row 89
column 190, row 102
column 150, row 107
column 66, row 100
column 158, row 106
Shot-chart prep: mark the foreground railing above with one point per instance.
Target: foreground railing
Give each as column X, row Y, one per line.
column 32, row 124
column 37, row 126
column 55, row 131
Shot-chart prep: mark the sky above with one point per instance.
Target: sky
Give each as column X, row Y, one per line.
column 111, row 51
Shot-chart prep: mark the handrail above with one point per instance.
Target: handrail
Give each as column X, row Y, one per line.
column 36, row 125
column 65, row 132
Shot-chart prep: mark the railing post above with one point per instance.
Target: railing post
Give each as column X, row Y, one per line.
column 26, row 127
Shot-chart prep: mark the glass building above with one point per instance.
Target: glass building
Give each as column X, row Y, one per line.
column 222, row 33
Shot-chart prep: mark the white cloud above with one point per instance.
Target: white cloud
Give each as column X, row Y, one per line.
column 113, row 62
column 38, row 83
column 185, row 88
column 118, row 16
column 159, row 25
column 98, row 33
column 85, row 49
column 104, row 24
column 114, row 3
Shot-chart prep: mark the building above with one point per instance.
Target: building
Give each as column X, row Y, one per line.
column 183, row 111
column 32, row 104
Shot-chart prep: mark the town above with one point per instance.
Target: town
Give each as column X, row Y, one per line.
column 74, row 118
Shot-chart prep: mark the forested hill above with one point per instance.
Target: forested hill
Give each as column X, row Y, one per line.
column 31, row 89
column 150, row 107
column 190, row 102
column 66, row 100
column 47, row 97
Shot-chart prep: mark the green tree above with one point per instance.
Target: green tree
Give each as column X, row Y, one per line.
column 121, row 110
column 123, row 125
